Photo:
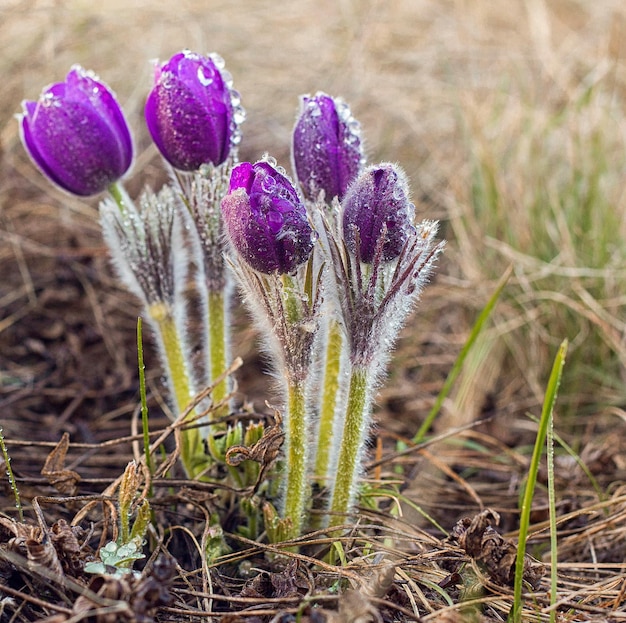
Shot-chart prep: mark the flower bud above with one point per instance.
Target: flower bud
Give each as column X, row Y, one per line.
column 191, row 111
column 326, row 147
column 77, row 135
column 266, row 220
column 377, row 204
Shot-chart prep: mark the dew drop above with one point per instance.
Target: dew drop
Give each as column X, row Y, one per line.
column 398, row 193
column 343, row 111
column 239, row 116
column 204, row 80
column 268, row 183
column 235, row 98
column 353, row 126
column 218, row 61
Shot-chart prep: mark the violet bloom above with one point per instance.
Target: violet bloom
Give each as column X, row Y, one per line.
column 377, row 211
column 191, row 111
column 326, row 147
column 77, row 135
column 266, row 220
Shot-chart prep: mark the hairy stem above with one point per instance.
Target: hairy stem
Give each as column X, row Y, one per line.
column 218, row 344
column 192, row 454
column 296, row 434
column 330, row 389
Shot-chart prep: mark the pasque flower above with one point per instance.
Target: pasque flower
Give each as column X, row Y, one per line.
column 381, row 261
column 326, row 146
column 191, row 111
column 268, row 227
column 266, row 220
column 77, row 135
column 377, row 211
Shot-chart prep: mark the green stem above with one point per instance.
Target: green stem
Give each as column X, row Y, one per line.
column 11, row 476
column 330, row 389
column 296, row 434
column 144, row 400
column 119, row 196
column 354, row 429
column 176, row 368
column 292, row 304
column 524, row 523
column 218, row 345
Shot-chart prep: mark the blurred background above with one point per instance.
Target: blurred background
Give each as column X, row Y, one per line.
column 508, row 117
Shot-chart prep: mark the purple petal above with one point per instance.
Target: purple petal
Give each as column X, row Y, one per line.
column 77, row 135
column 189, row 112
column 266, row 220
column 377, row 205
column 326, row 147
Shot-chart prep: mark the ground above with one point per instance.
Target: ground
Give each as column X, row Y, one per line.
column 417, row 75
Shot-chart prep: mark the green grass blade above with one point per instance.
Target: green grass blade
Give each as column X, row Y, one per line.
column 458, row 364
column 11, row 476
column 592, row 479
column 544, row 422
column 552, row 513
column 143, row 397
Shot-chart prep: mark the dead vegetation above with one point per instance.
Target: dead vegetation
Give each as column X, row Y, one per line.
column 416, row 73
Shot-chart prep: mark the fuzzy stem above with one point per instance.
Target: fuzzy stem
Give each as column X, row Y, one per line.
column 296, row 434
column 218, row 344
column 176, row 370
column 330, row 389
column 354, row 431
column 292, row 306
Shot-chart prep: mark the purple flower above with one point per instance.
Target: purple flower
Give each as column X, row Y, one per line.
column 326, row 147
column 191, row 111
column 376, row 205
column 77, row 135
column 266, row 220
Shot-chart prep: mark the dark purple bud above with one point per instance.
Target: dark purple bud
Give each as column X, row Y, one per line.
column 266, row 220
column 77, row 135
column 377, row 204
column 191, row 112
column 326, row 148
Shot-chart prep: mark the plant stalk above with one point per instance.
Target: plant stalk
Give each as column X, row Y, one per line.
column 192, row 452
column 218, row 345
column 296, row 433
column 329, row 394
column 355, row 427
column 116, row 190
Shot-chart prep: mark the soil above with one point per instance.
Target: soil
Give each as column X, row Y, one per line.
column 441, row 546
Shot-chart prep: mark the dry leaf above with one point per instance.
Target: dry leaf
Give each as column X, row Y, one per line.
column 265, row 451
column 494, row 554
column 65, row 481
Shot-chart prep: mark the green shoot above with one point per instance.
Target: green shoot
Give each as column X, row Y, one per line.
column 544, row 424
column 11, row 476
column 117, row 557
column 592, row 479
column 144, row 400
column 552, row 513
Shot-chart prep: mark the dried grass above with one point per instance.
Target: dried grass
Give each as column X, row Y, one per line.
column 435, row 84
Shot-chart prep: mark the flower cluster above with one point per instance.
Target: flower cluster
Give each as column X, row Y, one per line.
column 329, row 265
